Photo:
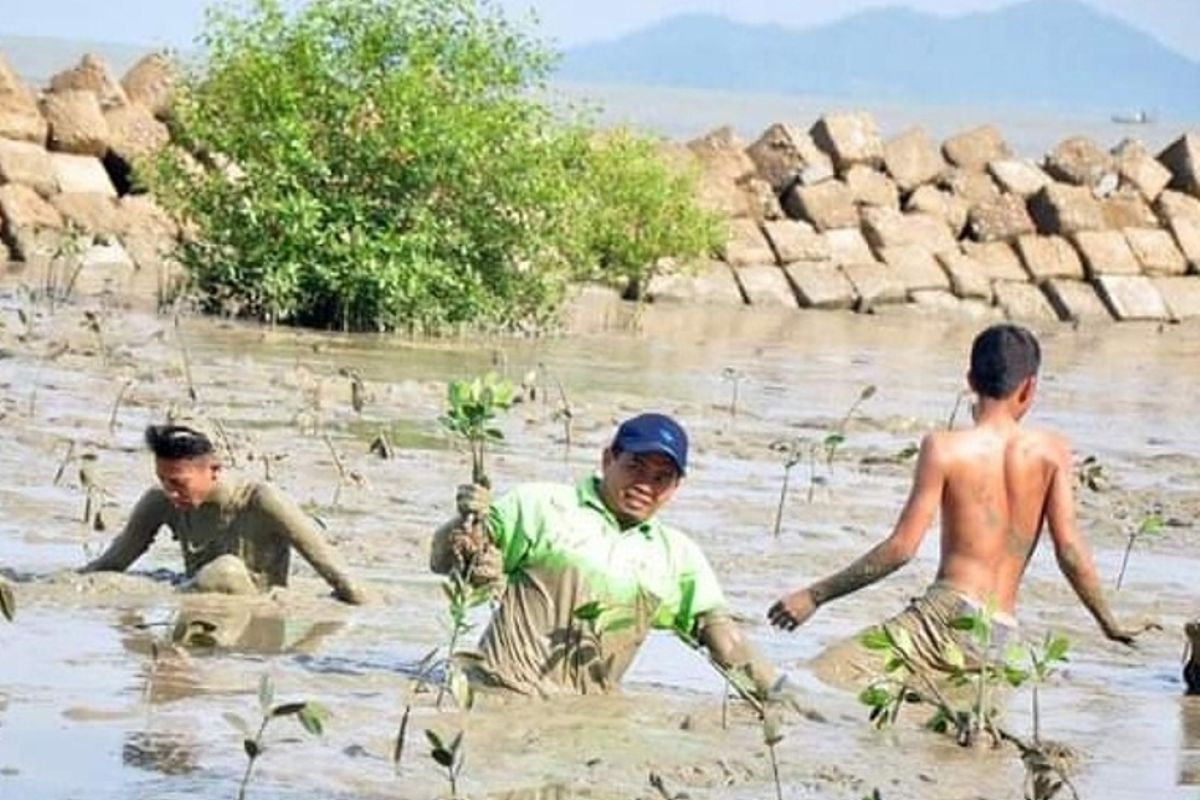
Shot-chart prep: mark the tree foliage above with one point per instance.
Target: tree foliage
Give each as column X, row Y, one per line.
column 379, row 164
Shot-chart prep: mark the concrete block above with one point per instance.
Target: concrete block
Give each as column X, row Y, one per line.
column 973, row 149
column 848, row 246
column 849, row 138
column 1048, row 257
column 916, row 267
column 940, row 203
column 761, row 200
column 1061, row 209
column 746, row 244
column 94, row 214
column 875, row 284
column 1126, row 208
column 1132, row 297
column 785, row 153
column 1139, row 170
column 76, row 123
column 27, row 164
column 1105, row 253
column 1075, row 301
column 1187, row 236
column 32, row 227
column 1023, row 301
column 1155, row 251
column 972, row 186
column 149, row 82
column 708, row 283
column 104, row 269
column 826, row 205
column 912, row 159
column 940, row 303
column 793, row 240
column 1018, row 176
column 820, row 284
column 19, row 115
column 1081, row 162
column 81, row 174
column 91, row 75
column 765, row 285
column 998, row 259
column 968, row 278
column 1181, row 295
column 1182, row 158
column 1181, row 215
column 887, row 227
column 868, row 186
column 1002, row 219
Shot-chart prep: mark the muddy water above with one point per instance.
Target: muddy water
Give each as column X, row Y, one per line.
column 94, row 703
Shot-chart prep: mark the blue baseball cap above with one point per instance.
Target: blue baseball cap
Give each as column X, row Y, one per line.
column 653, row 433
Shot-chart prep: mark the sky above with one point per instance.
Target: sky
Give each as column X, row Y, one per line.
column 174, row 23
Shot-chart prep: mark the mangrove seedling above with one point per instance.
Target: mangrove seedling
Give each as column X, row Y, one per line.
column 448, row 756
column 793, row 451
column 311, row 717
column 734, row 378
column 461, row 597
column 1149, row 526
column 1090, row 474
column 771, row 737
column 471, row 414
column 564, row 413
column 358, row 389
column 8, row 601
column 424, row 669
column 1042, row 664
column 346, row 476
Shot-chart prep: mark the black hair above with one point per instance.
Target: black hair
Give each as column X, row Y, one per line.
column 174, row 442
column 1002, row 356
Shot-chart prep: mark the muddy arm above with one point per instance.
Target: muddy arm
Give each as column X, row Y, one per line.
column 135, row 538
column 442, row 551
column 298, row 528
column 1072, row 552
column 729, row 648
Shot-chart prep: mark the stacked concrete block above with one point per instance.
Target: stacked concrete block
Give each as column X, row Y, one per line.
column 868, row 186
column 968, row 278
column 874, row 284
column 848, row 246
column 746, row 244
column 708, row 283
column 91, row 75
column 972, row 186
column 793, row 240
column 150, row 82
column 1132, row 297
column 765, row 285
column 1063, row 210
column 1049, row 257
column 1155, row 251
column 1075, row 301
column 32, row 227
column 820, row 284
column 998, row 259
column 785, row 155
column 915, row 267
column 76, row 123
column 912, row 159
column 976, row 148
column 1182, row 158
column 1180, row 213
column 1105, row 253
column 826, row 205
column 19, row 115
column 940, row 203
column 28, row 164
column 849, row 138
column 80, row 174
column 90, row 212
column 1002, row 219
column 1181, row 295
column 1139, row 170
column 1126, row 208
column 1080, row 162
column 1023, row 301
column 723, row 165
column 761, row 200
column 1018, row 176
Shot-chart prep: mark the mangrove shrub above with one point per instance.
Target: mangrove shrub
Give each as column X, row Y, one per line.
column 382, row 164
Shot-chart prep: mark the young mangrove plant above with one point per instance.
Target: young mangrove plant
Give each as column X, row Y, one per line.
column 564, row 412
column 1151, row 525
column 311, row 717
column 420, row 680
column 8, row 601
column 449, row 757
column 471, row 415
column 461, row 597
column 793, row 451
column 1090, row 474
column 1043, row 662
column 734, row 378
column 773, row 735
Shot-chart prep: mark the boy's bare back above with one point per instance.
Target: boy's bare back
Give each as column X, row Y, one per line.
column 999, row 487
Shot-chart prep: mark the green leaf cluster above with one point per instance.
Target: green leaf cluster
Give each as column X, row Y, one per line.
column 392, row 164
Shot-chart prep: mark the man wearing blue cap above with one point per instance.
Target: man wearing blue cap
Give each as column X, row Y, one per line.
column 588, row 571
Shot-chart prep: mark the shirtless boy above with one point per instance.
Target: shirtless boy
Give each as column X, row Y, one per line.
column 997, row 484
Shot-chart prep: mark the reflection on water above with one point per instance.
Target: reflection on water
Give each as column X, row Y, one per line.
column 1189, row 743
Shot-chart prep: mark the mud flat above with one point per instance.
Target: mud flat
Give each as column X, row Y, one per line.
column 86, row 710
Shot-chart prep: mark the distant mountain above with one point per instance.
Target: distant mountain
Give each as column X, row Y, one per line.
column 37, row 58
column 1058, row 53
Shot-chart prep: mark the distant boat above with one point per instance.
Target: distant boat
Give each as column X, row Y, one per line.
column 1139, row 117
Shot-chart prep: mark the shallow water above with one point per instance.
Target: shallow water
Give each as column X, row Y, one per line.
column 86, row 710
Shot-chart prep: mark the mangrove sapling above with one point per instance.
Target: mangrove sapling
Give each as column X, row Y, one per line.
column 1150, row 525
column 8, row 601
column 1090, row 474
column 346, row 476
column 734, row 378
column 66, row 459
column 424, row 669
column 771, row 737
column 448, row 756
column 563, row 413
column 358, row 389
column 835, row 438
column 461, row 597
column 116, row 407
column 793, row 452
column 311, row 717
column 185, row 359
column 1042, row 662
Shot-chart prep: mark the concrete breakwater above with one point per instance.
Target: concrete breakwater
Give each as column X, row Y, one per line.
column 833, row 216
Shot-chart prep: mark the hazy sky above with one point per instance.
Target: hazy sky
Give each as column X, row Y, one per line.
column 175, row 22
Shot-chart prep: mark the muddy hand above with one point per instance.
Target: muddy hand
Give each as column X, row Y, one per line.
column 472, row 500
column 1128, row 636
column 792, row 610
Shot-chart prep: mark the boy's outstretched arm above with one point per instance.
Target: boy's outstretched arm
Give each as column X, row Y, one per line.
column 794, row 609
column 1072, row 552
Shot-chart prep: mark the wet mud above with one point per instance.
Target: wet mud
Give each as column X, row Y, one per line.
column 98, row 700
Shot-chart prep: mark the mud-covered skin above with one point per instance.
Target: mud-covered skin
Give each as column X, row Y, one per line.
column 1191, row 666
column 247, row 520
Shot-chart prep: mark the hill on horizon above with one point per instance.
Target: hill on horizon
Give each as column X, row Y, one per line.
column 1059, row 53
column 36, row 58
